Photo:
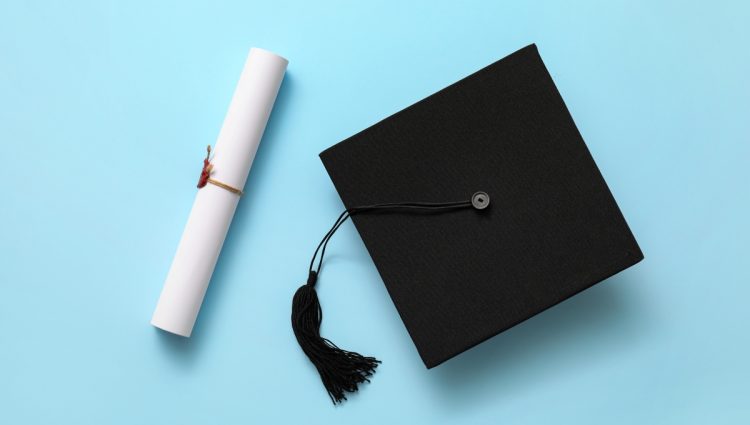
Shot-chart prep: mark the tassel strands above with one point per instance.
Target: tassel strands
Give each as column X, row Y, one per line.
column 341, row 371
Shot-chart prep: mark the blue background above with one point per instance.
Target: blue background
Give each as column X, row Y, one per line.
column 105, row 110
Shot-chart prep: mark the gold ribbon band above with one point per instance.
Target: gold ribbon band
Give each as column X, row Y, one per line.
column 225, row 186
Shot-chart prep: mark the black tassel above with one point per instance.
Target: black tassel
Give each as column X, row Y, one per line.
column 341, row 371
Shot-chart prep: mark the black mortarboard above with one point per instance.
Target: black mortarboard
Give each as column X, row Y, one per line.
column 463, row 266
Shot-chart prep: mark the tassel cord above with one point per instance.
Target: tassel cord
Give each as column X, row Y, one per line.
column 423, row 206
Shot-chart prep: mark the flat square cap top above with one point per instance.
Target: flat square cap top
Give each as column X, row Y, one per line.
column 552, row 230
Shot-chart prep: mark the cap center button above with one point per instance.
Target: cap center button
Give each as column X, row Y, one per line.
column 480, row 200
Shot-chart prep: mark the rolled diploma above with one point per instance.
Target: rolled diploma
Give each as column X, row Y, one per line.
column 214, row 206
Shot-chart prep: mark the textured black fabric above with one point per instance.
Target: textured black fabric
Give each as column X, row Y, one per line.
column 553, row 228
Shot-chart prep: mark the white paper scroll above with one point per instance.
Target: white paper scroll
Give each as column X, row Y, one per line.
column 214, row 206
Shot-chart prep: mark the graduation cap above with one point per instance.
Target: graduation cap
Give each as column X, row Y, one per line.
column 480, row 206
